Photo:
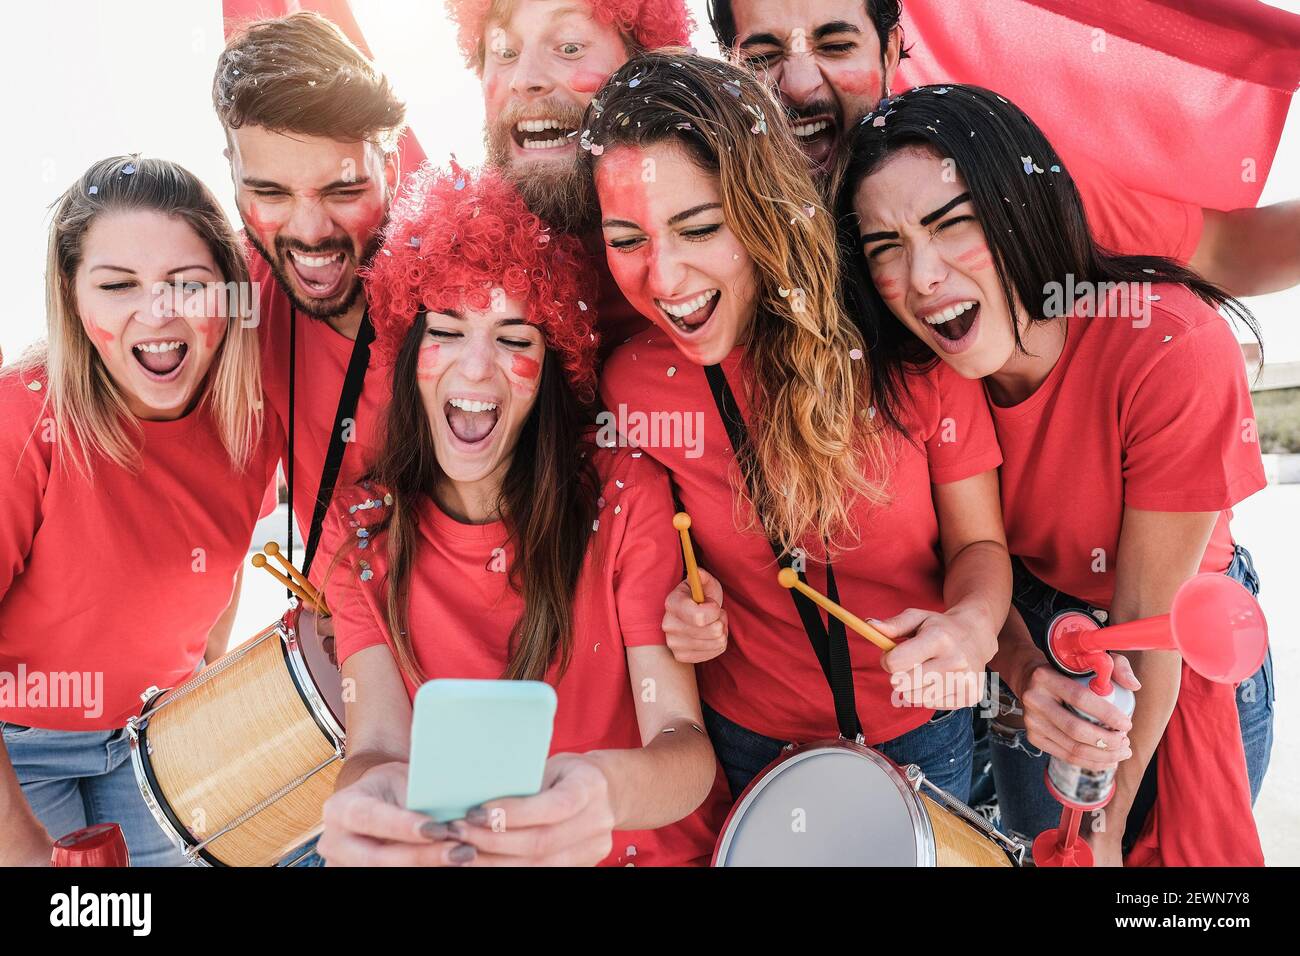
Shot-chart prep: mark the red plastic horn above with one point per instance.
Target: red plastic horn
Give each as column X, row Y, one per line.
column 1214, row 622
column 101, row 844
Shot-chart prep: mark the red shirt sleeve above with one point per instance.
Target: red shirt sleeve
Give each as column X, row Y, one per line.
column 1190, row 440
column 1136, row 223
column 351, row 600
column 649, row 561
column 24, row 471
column 961, row 441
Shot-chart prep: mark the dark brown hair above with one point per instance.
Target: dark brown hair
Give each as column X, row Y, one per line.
column 301, row 74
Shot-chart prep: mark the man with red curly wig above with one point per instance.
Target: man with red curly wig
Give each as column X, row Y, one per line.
column 494, row 538
column 540, row 63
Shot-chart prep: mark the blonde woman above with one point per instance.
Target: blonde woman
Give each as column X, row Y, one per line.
column 133, row 462
column 803, row 452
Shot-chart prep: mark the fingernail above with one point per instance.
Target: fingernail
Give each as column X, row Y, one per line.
column 434, row 830
column 461, row 853
column 456, row 830
column 477, row 816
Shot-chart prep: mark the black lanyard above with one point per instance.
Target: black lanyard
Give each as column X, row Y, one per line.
column 830, row 645
column 349, row 396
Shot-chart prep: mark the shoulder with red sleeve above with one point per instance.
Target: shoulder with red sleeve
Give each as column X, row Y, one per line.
column 353, row 556
column 950, row 416
column 25, row 462
column 1188, row 425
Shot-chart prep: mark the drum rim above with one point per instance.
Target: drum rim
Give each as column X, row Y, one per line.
column 302, row 679
column 926, row 848
column 159, row 806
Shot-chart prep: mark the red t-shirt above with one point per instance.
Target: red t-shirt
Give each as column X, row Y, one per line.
column 633, row 561
column 116, row 584
column 322, row 364
column 1135, row 223
column 768, row 679
column 1157, row 418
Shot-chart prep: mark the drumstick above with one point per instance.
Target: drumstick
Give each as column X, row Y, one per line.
column 789, row 579
column 259, row 561
column 682, row 522
column 273, row 549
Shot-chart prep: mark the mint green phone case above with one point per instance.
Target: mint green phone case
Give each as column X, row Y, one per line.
column 477, row 740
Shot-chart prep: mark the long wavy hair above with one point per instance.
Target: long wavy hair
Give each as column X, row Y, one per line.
column 1034, row 220
column 817, row 448
column 85, row 402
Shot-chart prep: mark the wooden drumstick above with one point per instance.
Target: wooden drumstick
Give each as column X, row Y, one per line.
column 789, row 579
column 259, row 561
column 682, row 522
column 273, row 549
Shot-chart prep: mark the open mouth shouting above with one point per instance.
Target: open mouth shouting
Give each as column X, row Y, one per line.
column 952, row 325
column 689, row 314
column 161, row 359
column 542, row 134
column 320, row 274
column 816, row 136
column 471, row 421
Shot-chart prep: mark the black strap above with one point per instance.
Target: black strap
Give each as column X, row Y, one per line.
column 829, row 644
column 349, row 395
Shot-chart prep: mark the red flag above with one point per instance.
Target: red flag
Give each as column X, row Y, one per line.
column 238, row 12
column 1181, row 99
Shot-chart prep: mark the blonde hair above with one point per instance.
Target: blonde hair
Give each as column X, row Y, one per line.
column 816, row 451
column 86, row 404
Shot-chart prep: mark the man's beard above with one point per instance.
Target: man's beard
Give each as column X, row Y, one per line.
column 341, row 303
column 561, row 194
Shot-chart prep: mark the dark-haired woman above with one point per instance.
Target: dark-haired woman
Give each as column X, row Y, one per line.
column 1120, row 398
column 713, row 231
column 494, row 539
column 132, row 465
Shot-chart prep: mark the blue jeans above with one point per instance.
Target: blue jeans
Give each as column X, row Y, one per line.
column 940, row 747
column 1018, row 766
column 73, row 779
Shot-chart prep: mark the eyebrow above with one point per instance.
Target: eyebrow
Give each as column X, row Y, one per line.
column 925, row 220
column 337, row 184
column 826, row 29
column 680, row 217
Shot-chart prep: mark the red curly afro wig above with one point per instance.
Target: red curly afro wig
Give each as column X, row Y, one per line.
column 649, row 23
column 455, row 236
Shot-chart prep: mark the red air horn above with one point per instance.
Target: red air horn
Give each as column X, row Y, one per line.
column 1214, row 623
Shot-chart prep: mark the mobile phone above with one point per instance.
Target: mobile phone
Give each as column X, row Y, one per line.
column 477, row 740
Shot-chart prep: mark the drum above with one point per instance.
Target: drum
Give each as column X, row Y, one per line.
column 839, row 803
column 236, row 763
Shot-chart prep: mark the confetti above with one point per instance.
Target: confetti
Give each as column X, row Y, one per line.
column 618, row 483
column 128, row 169
column 809, row 211
column 582, row 305
column 634, row 82
column 34, row 386
column 878, row 121
column 595, row 525
column 600, row 502
column 783, row 292
column 855, row 354
column 618, row 509
column 1028, row 163
column 1167, row 338
column 672, row 370
column 459, row 183
column 871, row 411
column 414, row 242
column 732, row 88
column 1055, row 169
column 94, row 190
column 597, row 149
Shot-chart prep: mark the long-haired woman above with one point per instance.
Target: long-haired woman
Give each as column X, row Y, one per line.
column 1121, row 403
column 132, row 467
column 802, row 451
column 494, row 539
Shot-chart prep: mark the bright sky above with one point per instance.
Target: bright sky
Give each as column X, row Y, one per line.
column 90, row 79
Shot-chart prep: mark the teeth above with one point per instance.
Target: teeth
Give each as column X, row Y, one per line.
column 686, row 308
column 158, row 346
column 316, row 261
column 950, row 313
column 468, row 405
column 808, row 129
column 544, row 143
column 537, row 125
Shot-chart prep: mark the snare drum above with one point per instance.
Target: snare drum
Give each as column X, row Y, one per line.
column 839, row 803
column 236, row 763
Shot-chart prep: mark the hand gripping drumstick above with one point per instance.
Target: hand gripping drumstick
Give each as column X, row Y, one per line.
column 273, row 549
column 682, row 522
column 789, row 579
column 259, row 561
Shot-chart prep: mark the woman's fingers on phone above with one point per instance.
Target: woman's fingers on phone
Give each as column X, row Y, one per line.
column 352, row 810
column 346, row 849
column 574, row 842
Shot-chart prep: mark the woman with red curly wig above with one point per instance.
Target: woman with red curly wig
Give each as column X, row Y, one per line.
column 493, row 539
